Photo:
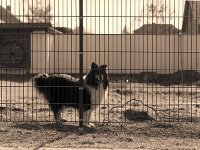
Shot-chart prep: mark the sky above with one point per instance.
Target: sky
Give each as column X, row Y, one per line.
column 101, row 16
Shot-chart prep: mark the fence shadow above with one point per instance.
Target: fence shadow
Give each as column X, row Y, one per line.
column 58, row 127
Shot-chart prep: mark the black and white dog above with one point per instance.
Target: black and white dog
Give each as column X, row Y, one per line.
column 63, row 91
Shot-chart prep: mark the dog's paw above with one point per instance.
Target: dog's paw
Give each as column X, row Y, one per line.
column 60, row 121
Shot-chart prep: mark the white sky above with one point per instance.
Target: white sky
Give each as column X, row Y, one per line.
column 108, row 13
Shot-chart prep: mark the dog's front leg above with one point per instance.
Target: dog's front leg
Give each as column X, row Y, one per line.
column 86, row 118
column 58, row 117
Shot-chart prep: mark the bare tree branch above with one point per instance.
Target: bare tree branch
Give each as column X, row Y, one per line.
column 38, row 11
column 155, row 12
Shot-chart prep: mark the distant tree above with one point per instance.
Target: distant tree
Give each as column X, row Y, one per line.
column 38, row 11
column 125, row 30
column 156, row 12
column 76, row 30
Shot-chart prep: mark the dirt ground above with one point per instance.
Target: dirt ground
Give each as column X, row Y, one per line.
column 173, row 123
column 130, row 136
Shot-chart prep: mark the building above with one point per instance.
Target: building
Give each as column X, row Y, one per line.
column 15, row 38
column 15, row 43
column 191, row 18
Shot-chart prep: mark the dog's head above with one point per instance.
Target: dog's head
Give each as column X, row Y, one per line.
column 97, row 75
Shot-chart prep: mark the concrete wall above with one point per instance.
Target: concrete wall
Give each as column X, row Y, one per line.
column 122, row 53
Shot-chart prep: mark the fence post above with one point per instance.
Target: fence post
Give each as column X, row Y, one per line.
column 81, row 86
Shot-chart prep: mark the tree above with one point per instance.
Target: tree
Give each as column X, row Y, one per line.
column 125, row 30
column 157, row 12
column 38, row 11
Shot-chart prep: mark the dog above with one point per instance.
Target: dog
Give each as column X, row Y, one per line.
column 63, row 91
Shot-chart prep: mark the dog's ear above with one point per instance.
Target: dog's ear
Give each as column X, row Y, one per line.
column 103, row 67
column 94, row 66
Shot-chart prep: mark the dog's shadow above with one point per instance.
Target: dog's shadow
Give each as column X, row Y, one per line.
column 63, row 129
column 58, row 127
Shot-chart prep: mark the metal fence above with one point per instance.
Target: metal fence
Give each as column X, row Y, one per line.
column 151, row 49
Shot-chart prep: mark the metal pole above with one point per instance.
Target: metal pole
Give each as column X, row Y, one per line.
column 181, row 54
column 81, row 86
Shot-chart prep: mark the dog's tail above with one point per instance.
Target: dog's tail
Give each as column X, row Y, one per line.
column 46, row 84
column 41, row 82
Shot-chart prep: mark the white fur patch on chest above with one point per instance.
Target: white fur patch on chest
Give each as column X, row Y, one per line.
column 97, row 95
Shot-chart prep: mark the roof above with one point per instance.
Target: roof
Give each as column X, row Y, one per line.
column 13, row 23
column 157, row 29
column 191, row 11
column 26, row 26
column 64, row 30
column 7, row 16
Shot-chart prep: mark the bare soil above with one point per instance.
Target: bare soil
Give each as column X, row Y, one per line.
column 27, row 122
column 110, row 136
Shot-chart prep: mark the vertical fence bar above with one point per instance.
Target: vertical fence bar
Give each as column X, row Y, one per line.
column 81, row 63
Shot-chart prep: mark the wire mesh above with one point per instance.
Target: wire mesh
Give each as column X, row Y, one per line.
column 149, row 46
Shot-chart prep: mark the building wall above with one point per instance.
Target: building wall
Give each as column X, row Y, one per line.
column 191, row 17
column 40, row 50
column 122, row 53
